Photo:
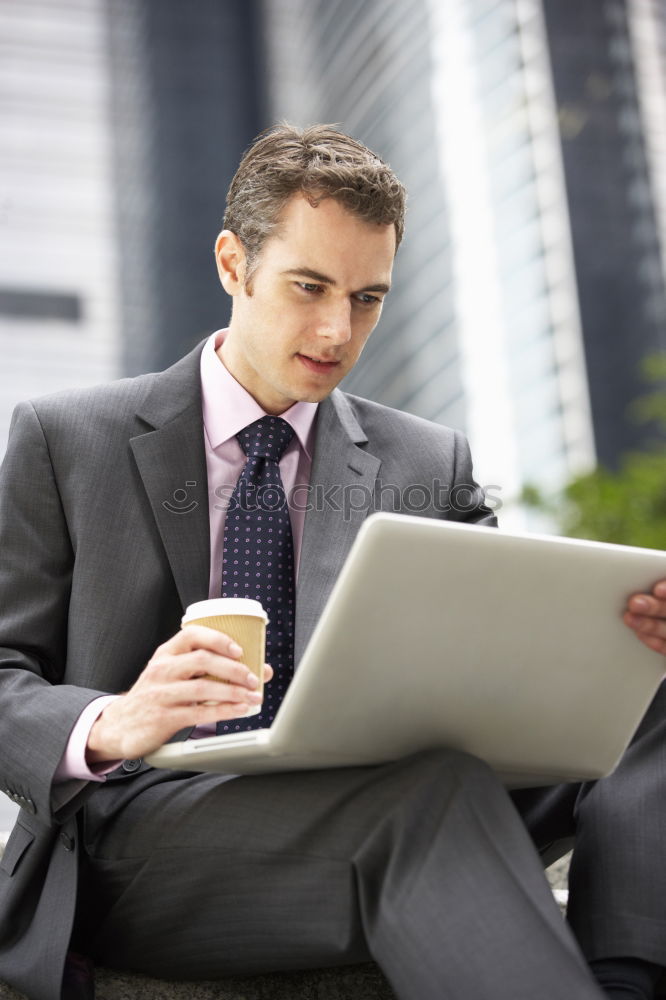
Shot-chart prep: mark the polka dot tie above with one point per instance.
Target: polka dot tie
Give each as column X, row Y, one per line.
column 258, row 556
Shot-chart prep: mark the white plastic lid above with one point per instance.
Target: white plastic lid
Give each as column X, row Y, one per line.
column 224, row 606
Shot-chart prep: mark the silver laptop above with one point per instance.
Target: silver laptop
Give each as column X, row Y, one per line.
column 509, row 646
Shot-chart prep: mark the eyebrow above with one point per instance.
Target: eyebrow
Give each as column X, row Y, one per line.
column 322, row 279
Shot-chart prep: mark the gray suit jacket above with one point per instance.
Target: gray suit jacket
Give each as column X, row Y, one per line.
column 104, row 539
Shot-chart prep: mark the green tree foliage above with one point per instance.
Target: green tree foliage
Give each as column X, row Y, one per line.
column 628, row 505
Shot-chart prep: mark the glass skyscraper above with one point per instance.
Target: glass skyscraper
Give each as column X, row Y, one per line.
column 482, row 329
column 497, row 322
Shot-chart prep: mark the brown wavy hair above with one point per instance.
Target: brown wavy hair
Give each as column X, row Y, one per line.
column 319, row 161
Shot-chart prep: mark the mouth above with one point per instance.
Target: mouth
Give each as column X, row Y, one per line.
column 317, row 365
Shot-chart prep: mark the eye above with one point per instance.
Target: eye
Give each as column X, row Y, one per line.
column 366, row 299
column 309, row 287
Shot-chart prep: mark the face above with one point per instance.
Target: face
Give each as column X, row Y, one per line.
column 315, row 297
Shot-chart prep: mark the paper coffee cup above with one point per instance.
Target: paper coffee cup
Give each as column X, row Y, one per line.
column 242, row 619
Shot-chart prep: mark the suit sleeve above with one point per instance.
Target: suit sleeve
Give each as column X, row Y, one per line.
column 37, row 711
column 467, row 499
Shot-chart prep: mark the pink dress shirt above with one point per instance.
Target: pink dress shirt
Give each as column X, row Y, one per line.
column 227, row 409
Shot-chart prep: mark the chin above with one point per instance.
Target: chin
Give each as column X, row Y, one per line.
column 317, row 395
column 311, row 397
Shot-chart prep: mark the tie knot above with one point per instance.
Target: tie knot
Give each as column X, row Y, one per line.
column 267, row 437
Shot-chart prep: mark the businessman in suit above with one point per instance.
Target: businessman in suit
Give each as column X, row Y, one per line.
column 110, row 525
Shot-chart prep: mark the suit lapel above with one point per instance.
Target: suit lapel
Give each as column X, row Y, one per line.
column 171, row 460
column 342, row 485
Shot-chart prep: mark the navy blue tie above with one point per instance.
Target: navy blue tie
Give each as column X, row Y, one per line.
column 258, row 556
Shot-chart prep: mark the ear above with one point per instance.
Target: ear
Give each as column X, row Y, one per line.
column 230, row 260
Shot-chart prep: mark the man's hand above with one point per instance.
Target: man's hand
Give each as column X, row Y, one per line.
column 176, row 690
column 646, row 615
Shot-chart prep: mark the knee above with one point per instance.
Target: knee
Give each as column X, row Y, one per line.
column 454, row 768
column 424, row 795
column 458, row 761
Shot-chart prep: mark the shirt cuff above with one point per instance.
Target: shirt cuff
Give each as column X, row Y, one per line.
column 73, row 763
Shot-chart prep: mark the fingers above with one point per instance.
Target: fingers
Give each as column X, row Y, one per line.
column 192, row 679
column 647, row 627
column 202, row 689
column 197, row 651
column 201, row 637
column 647, row 605
column 646, row 615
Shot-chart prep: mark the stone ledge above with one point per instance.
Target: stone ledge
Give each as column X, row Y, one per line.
column 362, row 982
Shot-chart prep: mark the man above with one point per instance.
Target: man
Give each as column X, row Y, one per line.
column 111, row 523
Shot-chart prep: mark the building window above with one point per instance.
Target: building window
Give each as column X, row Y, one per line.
column 35, row 304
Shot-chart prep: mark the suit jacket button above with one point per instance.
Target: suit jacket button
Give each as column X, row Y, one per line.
column 130, row 766
column 67, row 841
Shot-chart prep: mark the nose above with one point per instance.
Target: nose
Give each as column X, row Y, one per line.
column 334, row 323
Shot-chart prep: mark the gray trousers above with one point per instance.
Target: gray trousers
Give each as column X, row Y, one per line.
column 427, row 865
column 617, row 879
column 423, row 864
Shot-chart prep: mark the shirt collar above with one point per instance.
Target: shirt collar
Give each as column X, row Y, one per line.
column 228, row 407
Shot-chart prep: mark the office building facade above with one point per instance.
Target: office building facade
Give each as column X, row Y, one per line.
column 482, row 328
column 58, row 253
column 609, row 60
column 531, row 135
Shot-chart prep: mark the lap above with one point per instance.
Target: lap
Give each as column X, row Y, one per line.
column 329, row 810
column 265, row 864
column 191, row 810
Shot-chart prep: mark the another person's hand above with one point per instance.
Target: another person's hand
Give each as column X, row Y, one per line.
column 175, row 691
column 646, row 615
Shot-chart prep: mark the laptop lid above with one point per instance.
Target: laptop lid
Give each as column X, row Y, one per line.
column 507, row 645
